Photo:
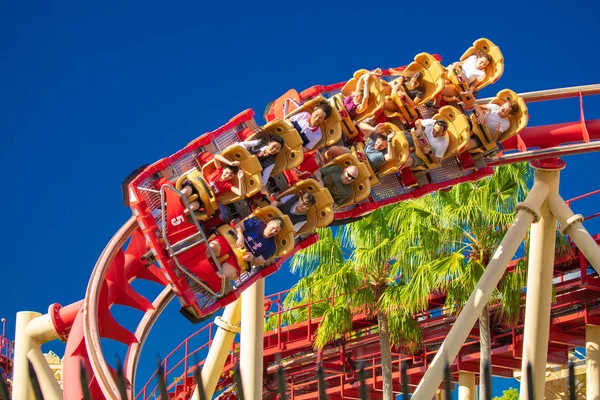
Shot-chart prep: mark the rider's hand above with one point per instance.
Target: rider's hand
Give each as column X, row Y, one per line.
column 240, row 174
column 480, row 117
column 235, row 164
column 240, row 242
column 426, row 149
column 391, row 135
column 248, row 257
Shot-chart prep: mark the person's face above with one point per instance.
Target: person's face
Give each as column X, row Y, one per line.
column 504, row 110
column 348, row 176
column 273, row 148
column 413, row 83
column 317, row 117
column 227, row 174
column 380, row 144
column 438, row 130
column 481, row 63
column 272, row 229
column 303, row 206
column 358, row 98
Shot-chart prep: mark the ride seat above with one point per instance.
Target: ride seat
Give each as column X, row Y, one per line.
column 348, row 126
column 402, row 153
column 202, row 194
column 321, row 213
column 433, row 83
column 518, row 120
column 361, row 185
column 331, row 128
column 376, row 95
column 284, row 239
column 458, row 132
column 495, row 69
column 291, row 154
column 252, row 173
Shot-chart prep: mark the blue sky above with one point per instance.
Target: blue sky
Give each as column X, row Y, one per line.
column 90, row 91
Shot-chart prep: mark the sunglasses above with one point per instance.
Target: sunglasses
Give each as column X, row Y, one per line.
column 351, row 177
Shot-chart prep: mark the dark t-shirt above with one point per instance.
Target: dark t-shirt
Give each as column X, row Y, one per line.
column 416, row 92
column 255, row 241
column 340, row 192
column 376, row 158
column 287, row 207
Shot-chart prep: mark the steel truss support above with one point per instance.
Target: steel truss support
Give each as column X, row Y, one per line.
column 466, row 386
column 33, row 330
column 219, row 349
column 527, row 214
column 592, row 361
column 251, row 339
column 539, row 287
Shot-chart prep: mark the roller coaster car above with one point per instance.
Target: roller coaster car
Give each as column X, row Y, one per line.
column 291, row 154
column 331, row 128
column 361, row 187
column 458, row 132
column 493, row 71
column 202, row 194
column 518, row 121
column 402, row 152
column 252, row 173
column 321, row 213
column 284, row 239
column 433, row 83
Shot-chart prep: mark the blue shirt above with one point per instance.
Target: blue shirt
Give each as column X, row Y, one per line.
column 255, row 241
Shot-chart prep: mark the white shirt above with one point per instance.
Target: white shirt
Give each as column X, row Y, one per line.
column 438, row 144
column 267, row 171
column 312, row 134
column 471, row 73
column 492, row 119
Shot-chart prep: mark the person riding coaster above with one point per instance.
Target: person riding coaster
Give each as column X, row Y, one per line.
column 481, row 65
column 255, row 241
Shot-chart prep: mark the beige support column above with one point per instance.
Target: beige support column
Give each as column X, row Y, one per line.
column 526, row 215
column 592, row 361
column 21, row 386
column 32, row 330
column 466, row 386
column 539, row 290
column 48, row 384
column 251, row 340
column 571, row 224
column 219, row 349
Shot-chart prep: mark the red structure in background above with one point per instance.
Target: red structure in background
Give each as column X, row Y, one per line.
column 577, row 304
column 6, row 356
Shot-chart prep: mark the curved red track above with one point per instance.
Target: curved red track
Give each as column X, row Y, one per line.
column 111, row 279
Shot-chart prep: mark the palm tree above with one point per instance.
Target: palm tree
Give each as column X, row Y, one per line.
column 447, row 239
column 351, row 266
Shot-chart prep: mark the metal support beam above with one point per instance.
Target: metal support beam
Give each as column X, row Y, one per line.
column 526, row 215
column 571, row 224
column 466, row 386
column 539, row 288
column 48, row 383
column 592, row 361
column 219, row 349
column 21, row 386
column 251, row 339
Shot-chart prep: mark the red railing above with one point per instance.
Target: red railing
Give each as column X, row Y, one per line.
column 287, row 338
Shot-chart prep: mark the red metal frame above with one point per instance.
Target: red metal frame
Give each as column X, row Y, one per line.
column 6, row 359
column 577, row 304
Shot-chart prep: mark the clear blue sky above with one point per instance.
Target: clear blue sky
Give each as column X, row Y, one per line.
column 90, row 91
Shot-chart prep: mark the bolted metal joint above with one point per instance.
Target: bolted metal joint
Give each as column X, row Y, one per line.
column 524, row 206
column 570, row 221
column 226, row 325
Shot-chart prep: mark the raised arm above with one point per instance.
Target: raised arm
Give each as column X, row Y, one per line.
column 391, row 150
column 220, row 160
column 241, row 189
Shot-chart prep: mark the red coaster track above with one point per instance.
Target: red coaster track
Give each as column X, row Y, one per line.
column 86, row 322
